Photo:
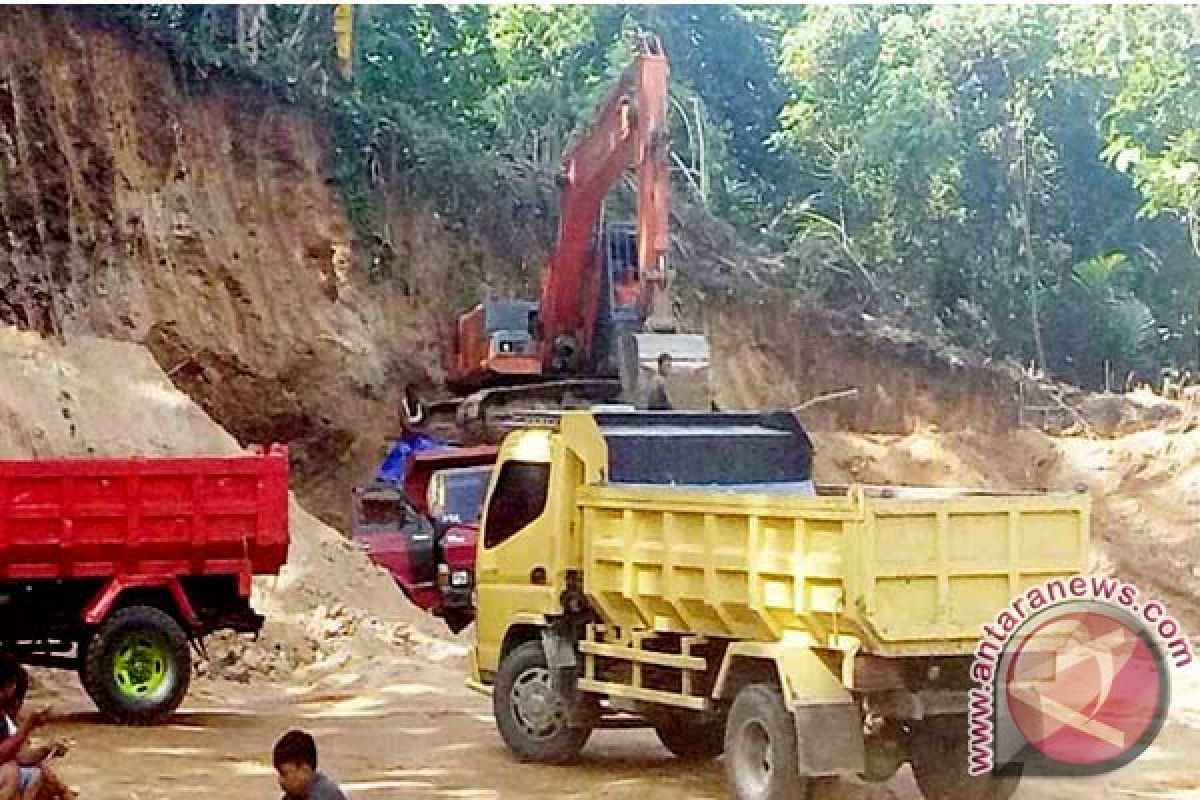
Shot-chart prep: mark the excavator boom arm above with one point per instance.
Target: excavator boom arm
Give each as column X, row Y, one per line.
column 629, row 128
column 604, row 322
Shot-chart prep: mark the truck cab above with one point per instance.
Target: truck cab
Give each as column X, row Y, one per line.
column 455, row 503
column 425, row 533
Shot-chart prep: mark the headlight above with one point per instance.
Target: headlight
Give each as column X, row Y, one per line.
column 460, row 578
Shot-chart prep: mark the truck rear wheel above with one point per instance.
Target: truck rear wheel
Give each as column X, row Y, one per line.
column 137, row 667
column 939, row 760
column 761, row 756
column 692, row 737
column 530, row 713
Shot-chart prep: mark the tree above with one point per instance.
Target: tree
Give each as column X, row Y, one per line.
column 959, row 158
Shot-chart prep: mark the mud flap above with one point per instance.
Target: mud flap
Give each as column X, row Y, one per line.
column 560, row 652
column 562, row 658
column 830, row 739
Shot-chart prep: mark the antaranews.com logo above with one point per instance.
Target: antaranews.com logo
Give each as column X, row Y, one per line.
column 1073, row 679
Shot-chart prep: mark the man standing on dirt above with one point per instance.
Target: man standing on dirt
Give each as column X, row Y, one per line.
column 657, row 399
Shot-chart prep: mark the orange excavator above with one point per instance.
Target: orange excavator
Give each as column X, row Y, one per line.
column 605, row 314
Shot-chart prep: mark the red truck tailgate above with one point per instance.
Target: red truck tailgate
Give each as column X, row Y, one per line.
column 98, row 517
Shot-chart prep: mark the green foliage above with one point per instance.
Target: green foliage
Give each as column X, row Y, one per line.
column 1026, row 177
column 1151, row 57
column 961, row 153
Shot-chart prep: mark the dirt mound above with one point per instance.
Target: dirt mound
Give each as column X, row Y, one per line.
column 330, row 612
column 1145, row 488
column 329, row 607
column 95, row 397
column 1117, row 414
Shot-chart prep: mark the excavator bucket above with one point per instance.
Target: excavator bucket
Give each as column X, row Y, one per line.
column 689, row 382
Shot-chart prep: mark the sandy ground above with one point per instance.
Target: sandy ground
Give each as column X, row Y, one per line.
column 233, row 270
column 422, row 735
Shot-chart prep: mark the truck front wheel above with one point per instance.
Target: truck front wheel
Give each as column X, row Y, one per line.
column 939, row 760
column 530, row 713
column 137, row 666
column 761, row 757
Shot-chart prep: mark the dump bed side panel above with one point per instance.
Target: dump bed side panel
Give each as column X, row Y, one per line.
column 80, row 518
column 906, row 576
column 935, row 570
column 721, row 564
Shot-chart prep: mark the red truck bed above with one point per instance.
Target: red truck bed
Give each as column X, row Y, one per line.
column 102, row 517
column 110, row 566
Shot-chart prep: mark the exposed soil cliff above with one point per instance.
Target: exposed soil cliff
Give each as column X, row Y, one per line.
column 200, row 220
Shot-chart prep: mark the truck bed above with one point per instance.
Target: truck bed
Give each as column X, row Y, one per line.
column 904, row 569
column 100, row 517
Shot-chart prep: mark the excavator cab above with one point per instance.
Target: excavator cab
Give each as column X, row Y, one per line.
column 621, row 347
column 619, row 311
column 494, row 341
column 621, row 269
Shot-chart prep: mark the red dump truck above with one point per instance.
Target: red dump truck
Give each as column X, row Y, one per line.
column 112, row 567
column 424, row 534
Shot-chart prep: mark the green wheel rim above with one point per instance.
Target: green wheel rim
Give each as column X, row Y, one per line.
column 140, row 667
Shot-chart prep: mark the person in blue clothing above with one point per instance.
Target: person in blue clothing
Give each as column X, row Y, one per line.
column 391, row 471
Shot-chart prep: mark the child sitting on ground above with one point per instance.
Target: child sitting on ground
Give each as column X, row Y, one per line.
column 296, row 762
column 16, row 782
column 36, row 758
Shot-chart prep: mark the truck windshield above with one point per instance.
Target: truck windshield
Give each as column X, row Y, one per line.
column 519, row 499
column 465, row 490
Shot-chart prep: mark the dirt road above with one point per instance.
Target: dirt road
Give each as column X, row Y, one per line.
column 421, row 735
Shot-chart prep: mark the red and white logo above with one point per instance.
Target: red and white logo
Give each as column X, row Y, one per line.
column 1074, row 678
column 1085, row 687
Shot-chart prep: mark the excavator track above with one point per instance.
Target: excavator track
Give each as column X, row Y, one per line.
column 486, row 416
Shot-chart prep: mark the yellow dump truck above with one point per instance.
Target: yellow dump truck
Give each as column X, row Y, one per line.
column 681, row 570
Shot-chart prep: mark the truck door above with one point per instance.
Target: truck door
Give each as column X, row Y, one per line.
column 522, row 545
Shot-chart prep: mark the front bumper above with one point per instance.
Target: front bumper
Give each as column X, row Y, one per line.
column 457, row 598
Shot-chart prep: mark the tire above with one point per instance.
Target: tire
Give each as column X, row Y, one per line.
column 939, row 761
column 531, row 716
column 761, row 756
column 691, row 737
column 137, row 667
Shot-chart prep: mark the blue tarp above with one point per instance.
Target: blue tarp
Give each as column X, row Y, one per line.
column 391, row 471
